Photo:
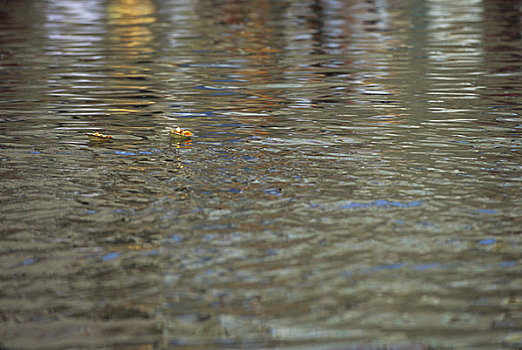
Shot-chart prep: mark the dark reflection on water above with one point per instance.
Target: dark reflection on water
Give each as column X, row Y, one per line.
column 354, row 180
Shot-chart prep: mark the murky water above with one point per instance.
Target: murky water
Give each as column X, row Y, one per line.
column 354, row 180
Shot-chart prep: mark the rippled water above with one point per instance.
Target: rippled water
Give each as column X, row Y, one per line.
column 354, row 180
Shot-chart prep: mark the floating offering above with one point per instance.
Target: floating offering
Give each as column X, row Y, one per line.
column 180, row 134
column 96, row 136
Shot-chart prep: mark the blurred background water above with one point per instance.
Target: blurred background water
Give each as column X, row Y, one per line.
column 354, row 180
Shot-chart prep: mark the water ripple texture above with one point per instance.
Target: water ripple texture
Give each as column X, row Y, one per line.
column 353, row 180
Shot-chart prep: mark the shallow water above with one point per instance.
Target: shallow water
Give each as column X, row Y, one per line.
column 354, row 180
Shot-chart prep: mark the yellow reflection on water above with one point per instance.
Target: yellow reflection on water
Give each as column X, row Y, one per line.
column 132, row 37
column 131, row 19
column 131, row 12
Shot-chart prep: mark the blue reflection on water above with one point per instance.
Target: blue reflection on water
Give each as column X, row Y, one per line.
column 486, row 211
column 29, row 261
column 273, row 191
column 380, row 203
column 125, row 153
column 192, row 115
column 110, row 256
column 176, row 238
column 487, row 241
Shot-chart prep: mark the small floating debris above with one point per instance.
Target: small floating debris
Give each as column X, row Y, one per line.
column 96, row 136
column 180, row 134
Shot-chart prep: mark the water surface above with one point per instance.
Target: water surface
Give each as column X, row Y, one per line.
column 354, row 180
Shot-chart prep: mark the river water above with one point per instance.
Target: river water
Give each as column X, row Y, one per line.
column 354, row 179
